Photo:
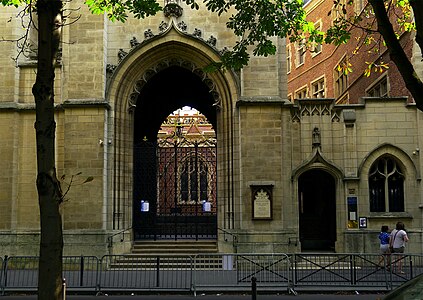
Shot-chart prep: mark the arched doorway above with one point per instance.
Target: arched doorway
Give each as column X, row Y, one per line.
column 156, row 78
column 174, row 168
column 317, row 210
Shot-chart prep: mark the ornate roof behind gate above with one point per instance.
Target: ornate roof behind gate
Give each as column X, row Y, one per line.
column 187, row 123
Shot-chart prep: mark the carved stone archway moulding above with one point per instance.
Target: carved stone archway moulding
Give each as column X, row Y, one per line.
column 149, row 36
column 136, row 65
column 166, row 63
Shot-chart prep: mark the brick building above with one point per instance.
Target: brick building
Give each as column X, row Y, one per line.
column 313, row 71
column 289, row 177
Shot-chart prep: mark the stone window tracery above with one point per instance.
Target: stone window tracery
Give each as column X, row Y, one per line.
column 194, row 180
column 386, row 186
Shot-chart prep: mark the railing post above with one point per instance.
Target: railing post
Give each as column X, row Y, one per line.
column 411, row 267
column 5, row 262
column 253, row 288
column 193, row 274
column 99, row 275
column 64, row 288
column 4, row 278
column 81, row 271
column 294, row 269
column 158, row 271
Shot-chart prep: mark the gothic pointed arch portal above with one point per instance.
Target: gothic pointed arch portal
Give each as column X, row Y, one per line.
column 175, row 158
column 317, row 210
column 154, row 79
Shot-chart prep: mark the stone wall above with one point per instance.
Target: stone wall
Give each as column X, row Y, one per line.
column 263, row 140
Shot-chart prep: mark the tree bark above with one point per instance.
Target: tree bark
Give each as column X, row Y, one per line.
column 397, row 54
column 49, row 192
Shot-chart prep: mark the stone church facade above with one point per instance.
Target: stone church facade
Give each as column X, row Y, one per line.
column 291, row 176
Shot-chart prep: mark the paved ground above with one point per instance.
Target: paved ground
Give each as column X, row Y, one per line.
column 213, row 297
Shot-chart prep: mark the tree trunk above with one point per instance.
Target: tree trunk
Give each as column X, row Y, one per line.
column 49, row 192
column 397, row 54
column 417, row 6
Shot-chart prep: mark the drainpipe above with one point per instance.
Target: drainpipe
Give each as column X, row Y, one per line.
column 106, row 144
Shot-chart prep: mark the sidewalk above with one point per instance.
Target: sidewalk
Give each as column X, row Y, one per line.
column 213, row 297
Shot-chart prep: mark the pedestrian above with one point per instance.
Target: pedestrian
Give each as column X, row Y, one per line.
column 384, row 246
column 397, row 241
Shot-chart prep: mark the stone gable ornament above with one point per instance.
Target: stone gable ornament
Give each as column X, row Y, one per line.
column 110, row 68
column 148, row 34
column 197, row 33
column 163, row 26
column 316, row 138
column 59, row 56
column 172, row 9
column 134, row 42
column 212, row 41
column 182, row 26
column 121, row 54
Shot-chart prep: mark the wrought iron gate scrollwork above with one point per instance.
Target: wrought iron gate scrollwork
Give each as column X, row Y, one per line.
column 180, row 187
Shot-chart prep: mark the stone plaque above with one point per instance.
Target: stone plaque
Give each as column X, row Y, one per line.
column 262, row 202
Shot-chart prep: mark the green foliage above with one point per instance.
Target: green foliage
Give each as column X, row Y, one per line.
column 376, row 67
column 15, row 3
column 192, row 3
column 345, row 67
column 404, row 18
column 118, row 10
column 257, row 23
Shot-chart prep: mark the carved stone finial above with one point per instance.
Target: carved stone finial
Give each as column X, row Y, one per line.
column 163, row 26
column 212, row 41
column 172, row 9
column 59, row 56
column 148, row 34
column 121, row 54
column 316, row 138
column 197, row 33
column 110, row 68
column 134, row 42
column 182, row 26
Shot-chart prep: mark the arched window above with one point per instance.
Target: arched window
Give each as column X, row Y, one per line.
column 386, row 186
column 194, row 180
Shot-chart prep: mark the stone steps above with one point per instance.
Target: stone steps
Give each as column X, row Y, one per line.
column 168, row 254
column 183, row 247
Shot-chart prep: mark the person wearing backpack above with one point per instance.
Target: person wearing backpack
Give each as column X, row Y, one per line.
column 397, row 242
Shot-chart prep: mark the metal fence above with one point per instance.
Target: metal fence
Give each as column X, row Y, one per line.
column 146, row 272
column 1, row 276
column 234, row 272
column 219, row 272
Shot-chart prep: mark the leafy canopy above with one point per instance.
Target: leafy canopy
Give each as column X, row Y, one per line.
column 15, row 3
column 258, row 22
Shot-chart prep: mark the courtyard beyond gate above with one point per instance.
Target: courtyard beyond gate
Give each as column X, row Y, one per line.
column 217, row 272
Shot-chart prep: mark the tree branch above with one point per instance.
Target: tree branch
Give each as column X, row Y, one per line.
column 397, row 54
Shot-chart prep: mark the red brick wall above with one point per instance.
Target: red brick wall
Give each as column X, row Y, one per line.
column 325, row 62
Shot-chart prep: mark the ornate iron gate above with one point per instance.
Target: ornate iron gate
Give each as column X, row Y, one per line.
column 175, row 189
